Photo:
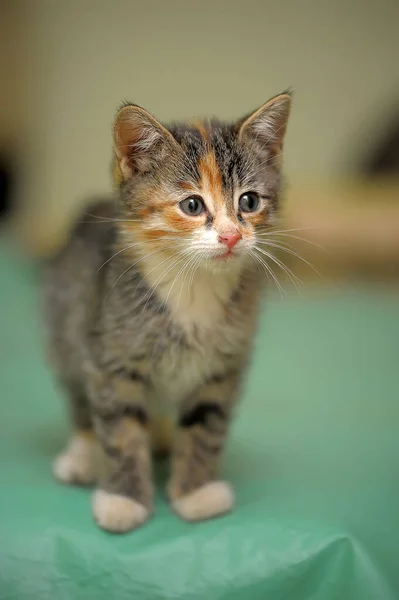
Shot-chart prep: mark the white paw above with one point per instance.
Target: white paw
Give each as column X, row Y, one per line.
column 210, row 500
column 117, row 514
column 77, row 463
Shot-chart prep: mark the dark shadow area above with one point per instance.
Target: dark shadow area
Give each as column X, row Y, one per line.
column 6, row 186
column 382, row 158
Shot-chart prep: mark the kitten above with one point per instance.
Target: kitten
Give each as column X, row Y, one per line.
column 153, row 304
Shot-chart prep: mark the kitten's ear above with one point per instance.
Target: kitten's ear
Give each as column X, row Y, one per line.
column 266, row 127
column 140, row 141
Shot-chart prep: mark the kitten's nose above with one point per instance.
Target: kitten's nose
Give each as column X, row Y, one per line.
column 230, row 239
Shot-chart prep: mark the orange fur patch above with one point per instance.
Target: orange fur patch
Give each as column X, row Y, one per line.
column 155, row 235
column 204, row 133
column 256, row 219
column 178, row 222
column 146, row 212
column 211, row 177
column 188, row 187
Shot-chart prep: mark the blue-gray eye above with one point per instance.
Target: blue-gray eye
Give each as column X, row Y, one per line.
column 249, row 202
column 192, row 206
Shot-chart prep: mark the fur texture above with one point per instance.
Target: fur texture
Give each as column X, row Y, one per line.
column 151, row 308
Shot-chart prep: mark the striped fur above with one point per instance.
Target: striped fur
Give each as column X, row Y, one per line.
column 150, row 318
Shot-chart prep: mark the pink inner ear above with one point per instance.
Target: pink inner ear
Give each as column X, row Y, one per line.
column 135, row 130
column 126, row 137
column 134, row 135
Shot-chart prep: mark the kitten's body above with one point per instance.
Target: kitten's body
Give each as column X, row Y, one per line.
column 142, row 326
column 202, row 330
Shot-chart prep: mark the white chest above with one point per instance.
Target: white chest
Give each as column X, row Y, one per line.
column 200, row 312
column 199, row 306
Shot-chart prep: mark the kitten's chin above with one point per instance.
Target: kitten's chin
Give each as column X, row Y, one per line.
column 229, row 261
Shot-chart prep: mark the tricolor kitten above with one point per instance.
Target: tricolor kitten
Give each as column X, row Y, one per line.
column 153, row 304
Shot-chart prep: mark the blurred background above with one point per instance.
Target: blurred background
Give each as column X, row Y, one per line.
column 66, row 66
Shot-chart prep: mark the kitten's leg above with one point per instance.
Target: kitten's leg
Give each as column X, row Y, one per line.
column 77, row 464
column 123, row 500
column 194, row 490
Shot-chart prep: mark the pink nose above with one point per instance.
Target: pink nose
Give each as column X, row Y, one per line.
column 230, row 239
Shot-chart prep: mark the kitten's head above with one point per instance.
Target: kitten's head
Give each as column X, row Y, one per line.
column 204, row 191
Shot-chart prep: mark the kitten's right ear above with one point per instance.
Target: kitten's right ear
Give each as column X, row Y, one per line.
column 266, row 127
column 140, row 141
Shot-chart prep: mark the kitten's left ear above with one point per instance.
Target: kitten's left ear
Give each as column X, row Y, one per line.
column 266, row 127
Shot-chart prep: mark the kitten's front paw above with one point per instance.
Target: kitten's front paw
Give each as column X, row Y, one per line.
column 76, row 465
column 210, row 500
column 118, row 514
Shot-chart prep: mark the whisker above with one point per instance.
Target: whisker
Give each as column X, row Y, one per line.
column 188, row 268
column 128, row 269
column 99, row 222
column 192, row 276
column 294, row 278
column 183, row 259
column 174, row 281
column 157, row 283
column 133, row 246
column 282, row 266
column 171, row 237
column 295, row 237
column 270, row 270
column 116, row 254
column 251, row 253
column 292, row 252
column 153, row 269
column 194, row 256
column 98, row 218
column 272, row 230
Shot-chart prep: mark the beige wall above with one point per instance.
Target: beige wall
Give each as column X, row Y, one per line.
column 179, row 59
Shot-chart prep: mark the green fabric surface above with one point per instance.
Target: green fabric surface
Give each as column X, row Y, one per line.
column 313, row 456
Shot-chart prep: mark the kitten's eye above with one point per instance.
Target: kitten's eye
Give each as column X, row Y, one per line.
column 249, row 202
column 193, row 206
